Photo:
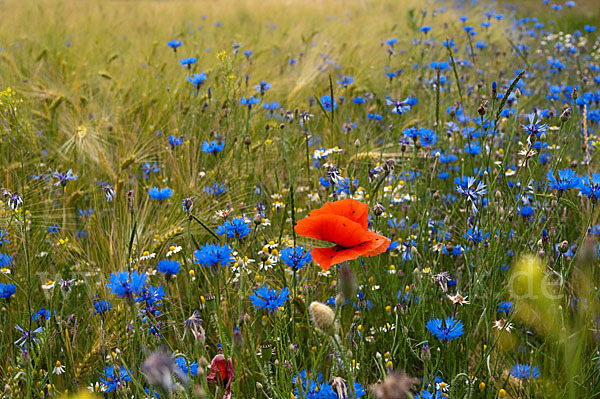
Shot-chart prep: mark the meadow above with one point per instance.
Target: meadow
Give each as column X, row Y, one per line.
column 299, row 199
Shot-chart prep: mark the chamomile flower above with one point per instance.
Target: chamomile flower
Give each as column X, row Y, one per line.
column 58, row 368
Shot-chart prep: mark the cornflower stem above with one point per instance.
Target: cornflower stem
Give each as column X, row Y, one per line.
column 308, row 179
column 64, row 210
column 212, row 233
column 339, row 346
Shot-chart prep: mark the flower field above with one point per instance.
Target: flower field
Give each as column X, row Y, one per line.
column 299, row 199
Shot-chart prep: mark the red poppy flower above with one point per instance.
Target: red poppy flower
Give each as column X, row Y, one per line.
column 345, row 224
column 221, row 373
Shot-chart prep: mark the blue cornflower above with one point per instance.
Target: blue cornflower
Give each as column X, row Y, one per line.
column 271, row 106
column 3, row 239
column 427, row 137
column 448, row 43
column 425, row 29
column 411, row 133
column 525, row 371
column 250, row 101
column 457, row 250
column 313, row 387
column 175, row 140
column 295, row 257
column 213, row 255
column 14, row 200
column 109, row 191
column 160, row 194
column 188, row 62
column 125, row 285
column 189, row 369
column 343, row 185
column 441, row 65
column 5, row 260
column 526, row 211
column 391, row 42
column 445, row 330
column 262, row 87
column 310, row 389
column 174, row 44
column 27, row 336
column 63, row 178
column 151, row 296
column 472, row 148
column 237, row 227
column 534, row 127
column 42, row 315
column 213, row 147
column 505, row 306
column 101, row 306
column 393, row 245
column 7, row 290
column 398, row 107
column 113, row 378
column 197, row 79
column 328, row 104
column 345, row 81
column 267, row 298
column 474, row 235
column 169, row 267
column 148, row 168
column 466, row 186
column 567, row 180
column 590, row 186
column 215, row 189
column 53, row 229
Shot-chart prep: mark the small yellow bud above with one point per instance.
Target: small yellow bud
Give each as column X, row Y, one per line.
column 502, row 393
column 481, row 386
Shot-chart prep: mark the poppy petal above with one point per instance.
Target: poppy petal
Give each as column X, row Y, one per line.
column 383, row 242
column 326, row 257
column 332, row 228
column 349, row 208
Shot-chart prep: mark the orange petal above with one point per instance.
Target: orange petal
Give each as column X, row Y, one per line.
column 326, row 257
column 384, row 244
column 349, row 208
column 332, row 228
